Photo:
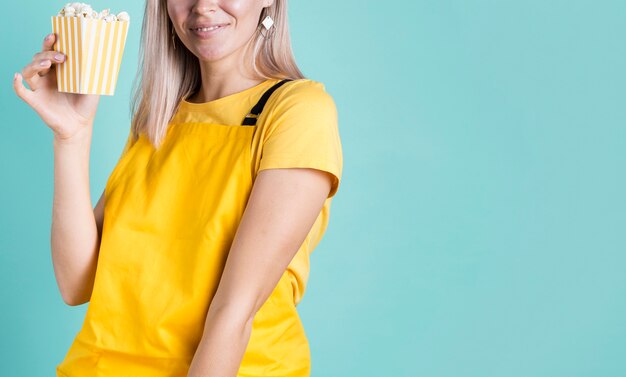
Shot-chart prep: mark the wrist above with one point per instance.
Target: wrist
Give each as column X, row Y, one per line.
column 78, row 138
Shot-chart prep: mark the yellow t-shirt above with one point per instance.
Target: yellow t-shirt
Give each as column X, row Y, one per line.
column 170, row 217
column 298, row 128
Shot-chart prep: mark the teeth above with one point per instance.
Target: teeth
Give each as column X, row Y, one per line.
column 206, row 28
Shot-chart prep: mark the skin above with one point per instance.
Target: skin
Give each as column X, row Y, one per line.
column 222, row 58
column 68, row 115
column 282, row 207
column 75, row 225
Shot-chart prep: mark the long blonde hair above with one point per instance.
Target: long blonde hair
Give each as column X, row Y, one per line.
column 166, row 74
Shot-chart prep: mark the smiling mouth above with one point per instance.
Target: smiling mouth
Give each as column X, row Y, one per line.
column 209, row 28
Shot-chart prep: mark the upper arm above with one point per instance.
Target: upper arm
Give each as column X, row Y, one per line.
column 281, row 210
column 300, row 168
column 302, row 131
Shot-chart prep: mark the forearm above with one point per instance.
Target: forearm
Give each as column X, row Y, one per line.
column 74, row 236
column 223, row 344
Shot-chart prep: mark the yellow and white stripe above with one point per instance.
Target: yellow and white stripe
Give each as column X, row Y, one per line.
column 93, row 50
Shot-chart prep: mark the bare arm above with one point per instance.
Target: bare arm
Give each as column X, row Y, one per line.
column 282, row 208
column 76, row 227
column 74, row 238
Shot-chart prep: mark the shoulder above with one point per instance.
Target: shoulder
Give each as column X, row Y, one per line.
column 303, row 96
column 300, row 107
column 304, row 87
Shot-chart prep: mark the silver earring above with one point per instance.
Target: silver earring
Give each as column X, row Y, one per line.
column 268, row 25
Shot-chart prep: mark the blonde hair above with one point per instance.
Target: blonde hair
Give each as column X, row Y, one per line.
column 166, row 74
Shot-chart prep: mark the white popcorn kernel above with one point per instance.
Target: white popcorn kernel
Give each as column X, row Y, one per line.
column 110, row 18
column 123, row 16
column 103, row 14
column 86, row 12
column 69, row 9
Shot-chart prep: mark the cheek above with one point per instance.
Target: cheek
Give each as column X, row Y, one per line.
column 236, row 7
column 176, row 10
column 242, row 10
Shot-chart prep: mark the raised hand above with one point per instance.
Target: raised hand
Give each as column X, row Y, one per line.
column 67, row 114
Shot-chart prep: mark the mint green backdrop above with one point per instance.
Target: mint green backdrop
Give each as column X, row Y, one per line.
column 480, row 227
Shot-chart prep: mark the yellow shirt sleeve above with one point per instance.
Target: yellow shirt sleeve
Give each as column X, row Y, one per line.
column 302, row 132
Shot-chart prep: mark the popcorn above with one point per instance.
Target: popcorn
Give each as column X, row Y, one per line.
column 123, row 16
column 103, row 14
column 93, row 43
column 69, row 11
column 83, row 10
column 86, row 12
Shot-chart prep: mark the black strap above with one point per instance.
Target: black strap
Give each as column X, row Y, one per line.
column 250, row 119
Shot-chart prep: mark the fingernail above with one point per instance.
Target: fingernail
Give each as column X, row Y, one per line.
column 15, row 76
column 58, row 57
column 48, row 37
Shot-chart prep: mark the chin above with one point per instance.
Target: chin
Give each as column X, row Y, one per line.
column 210, row 55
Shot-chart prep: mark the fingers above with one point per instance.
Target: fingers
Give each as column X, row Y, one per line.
column 48, row 42
column 21, row 91
column 46, row 60
column 40, row 66
column 46, row 65
column 42, row 62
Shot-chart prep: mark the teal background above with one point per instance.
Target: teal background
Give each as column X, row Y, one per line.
column 479, row 229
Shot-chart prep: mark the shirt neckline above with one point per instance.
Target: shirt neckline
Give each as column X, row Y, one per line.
column 193, row 106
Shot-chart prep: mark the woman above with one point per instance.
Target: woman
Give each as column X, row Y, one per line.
column 202, row 235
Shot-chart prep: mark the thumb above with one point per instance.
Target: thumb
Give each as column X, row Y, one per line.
column 21, row 91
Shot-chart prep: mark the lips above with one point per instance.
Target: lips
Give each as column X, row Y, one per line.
column 207, row 27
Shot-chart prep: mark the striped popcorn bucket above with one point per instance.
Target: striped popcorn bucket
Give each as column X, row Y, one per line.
column 93, row 54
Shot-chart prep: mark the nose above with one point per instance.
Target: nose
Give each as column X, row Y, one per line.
column 205, row 6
